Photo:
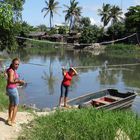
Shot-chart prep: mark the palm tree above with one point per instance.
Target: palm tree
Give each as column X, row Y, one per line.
column 115, row 14
column 51, row 7
column 73, row 13
column 105, row 13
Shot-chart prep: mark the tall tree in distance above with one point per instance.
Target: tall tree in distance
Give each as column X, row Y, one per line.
column 115, row 14
column 105, row 14
column 51, row 8
column 73, row 13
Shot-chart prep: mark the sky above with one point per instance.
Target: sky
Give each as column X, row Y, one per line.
column 33, row 16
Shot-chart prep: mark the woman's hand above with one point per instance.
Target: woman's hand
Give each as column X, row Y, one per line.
column 63, row 71
column 21, row 82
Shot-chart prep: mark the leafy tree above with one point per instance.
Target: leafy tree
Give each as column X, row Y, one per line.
column 6, row 16
column 73, row 13
column 90, row 34
column 17, row 7
column 63, row 30
column 22, row 30
column 105, row 13
column 51, row 7
column 117, row 29
column 85, row 21
column 132, row 21
column 7, row 40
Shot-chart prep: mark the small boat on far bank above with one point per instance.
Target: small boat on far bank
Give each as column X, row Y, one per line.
column 109, row 99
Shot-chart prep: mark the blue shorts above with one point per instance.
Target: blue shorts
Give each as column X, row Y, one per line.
column 13, row 96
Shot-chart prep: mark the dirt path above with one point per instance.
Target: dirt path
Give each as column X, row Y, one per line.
column 11, row 132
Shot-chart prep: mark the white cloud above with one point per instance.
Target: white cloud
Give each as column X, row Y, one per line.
column 137, row 2
column 92, row 21
column 91, row 8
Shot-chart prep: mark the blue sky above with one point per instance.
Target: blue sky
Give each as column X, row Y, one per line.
column 32, row 10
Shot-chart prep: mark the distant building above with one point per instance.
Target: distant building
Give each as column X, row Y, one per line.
column 37, row 35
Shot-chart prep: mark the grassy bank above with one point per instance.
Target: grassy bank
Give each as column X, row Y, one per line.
column 3, row 97
column 42, row 48
column 42, row 43
column 84, row 124
column 123, row 50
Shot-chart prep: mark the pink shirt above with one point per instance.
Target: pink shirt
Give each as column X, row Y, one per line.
column 15, row 77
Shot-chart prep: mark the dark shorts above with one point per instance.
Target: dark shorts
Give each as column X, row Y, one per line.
column 13, row 96
column 64, row 90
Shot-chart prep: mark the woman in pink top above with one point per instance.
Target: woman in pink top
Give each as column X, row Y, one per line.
column 12, row 92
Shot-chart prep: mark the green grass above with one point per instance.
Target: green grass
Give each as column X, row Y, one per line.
column 42, row 43
column 123, row 50
column 3, row 96
column 122, row 47
column 84, row 124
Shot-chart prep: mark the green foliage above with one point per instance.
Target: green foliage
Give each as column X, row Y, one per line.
column 6, row 16
column 90, row 34
column 84, row 124
column 3, row 97
column 7, row 40
column 17, row 7
column 63, row 30
column 115, row 14
column 117, row 30
column 8, row 28
column 53, row 31
column 121, row 47
column 85, row 22
column 105, row 13
column 132, row 20
column 22, row 29
column 73, row 13
column 110, row 13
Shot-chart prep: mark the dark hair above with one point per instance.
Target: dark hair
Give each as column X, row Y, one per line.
column 70, row 69
column 13, row 61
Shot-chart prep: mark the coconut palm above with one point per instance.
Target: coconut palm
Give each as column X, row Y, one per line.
column 73, row 13
column 115, row 14
column 105, row 13
column 51, row 7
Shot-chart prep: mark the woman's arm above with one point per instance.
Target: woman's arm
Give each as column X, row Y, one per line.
column 11, row 79
column 63, row 71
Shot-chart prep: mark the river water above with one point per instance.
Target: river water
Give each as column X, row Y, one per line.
column 42, row 72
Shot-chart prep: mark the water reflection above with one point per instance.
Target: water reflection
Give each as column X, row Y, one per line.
column 46, row 78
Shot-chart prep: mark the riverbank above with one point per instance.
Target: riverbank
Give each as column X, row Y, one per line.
column 83, row 124
column 13, row 132
column 72, row 124
column 88, row 123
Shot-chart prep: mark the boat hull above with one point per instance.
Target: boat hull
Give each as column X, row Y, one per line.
column 109, row 99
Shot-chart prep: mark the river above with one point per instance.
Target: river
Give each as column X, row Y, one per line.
column 42, row 72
